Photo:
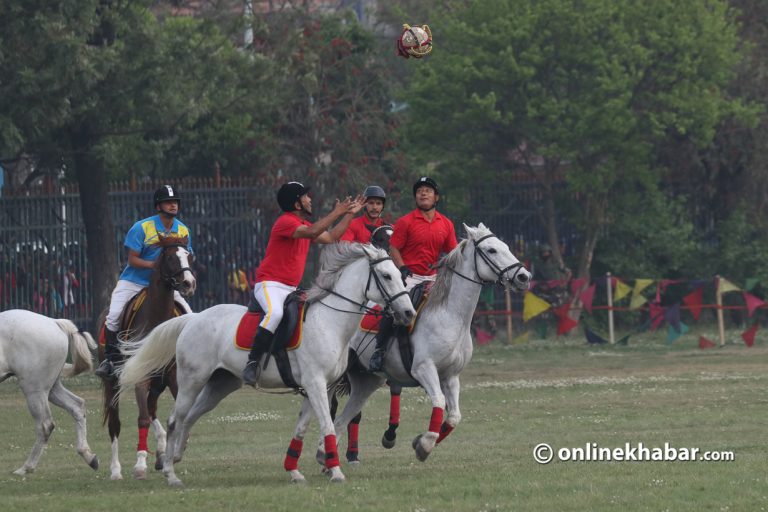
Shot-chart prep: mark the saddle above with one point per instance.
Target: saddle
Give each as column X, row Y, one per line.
column 287, row 336
column 131, row 309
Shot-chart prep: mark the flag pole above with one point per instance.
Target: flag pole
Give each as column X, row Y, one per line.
column 609, row 290
column 719, row 301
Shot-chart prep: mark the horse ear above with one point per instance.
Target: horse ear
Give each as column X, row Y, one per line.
column 467, row 229
column 481, row 226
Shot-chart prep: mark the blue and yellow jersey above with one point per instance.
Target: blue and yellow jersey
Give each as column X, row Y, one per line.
column 143, row 238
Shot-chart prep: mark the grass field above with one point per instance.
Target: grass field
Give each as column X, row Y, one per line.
column 513, row 398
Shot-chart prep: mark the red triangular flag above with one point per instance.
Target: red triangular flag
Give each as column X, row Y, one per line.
column 564, row 322
column 705, row 343
column 586, row 297
column 752, row 302
column 749, row 335
column 576, row 285
column 693, row 300
column 656, row 313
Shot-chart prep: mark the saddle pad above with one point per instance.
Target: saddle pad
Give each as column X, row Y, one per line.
column 370, row 321
column 249, row 323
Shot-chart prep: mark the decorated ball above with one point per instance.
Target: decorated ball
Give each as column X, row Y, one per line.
column 415, row 41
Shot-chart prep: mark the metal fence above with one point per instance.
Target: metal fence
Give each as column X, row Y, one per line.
column 43, row 265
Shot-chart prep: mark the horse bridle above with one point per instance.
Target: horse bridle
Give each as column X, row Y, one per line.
column 389, row 299
column 487, row 259
column 170, row 279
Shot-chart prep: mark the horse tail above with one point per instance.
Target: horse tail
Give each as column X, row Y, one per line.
column 80, row 345
column 151, row 354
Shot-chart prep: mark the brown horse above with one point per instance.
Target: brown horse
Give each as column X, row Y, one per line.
column 151, row 307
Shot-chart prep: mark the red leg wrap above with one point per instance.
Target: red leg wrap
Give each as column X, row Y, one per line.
column 353, row 432
column 292, row 456
column 436, row 420
column 142, row 446
column 394, row 410
column 445, row 429
column 331, row 455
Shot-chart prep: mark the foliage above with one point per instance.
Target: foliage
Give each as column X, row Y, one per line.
column 742, row 251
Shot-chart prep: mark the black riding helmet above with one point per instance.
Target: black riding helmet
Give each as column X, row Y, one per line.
column 425, row 181
column 375, row 191
column 289, row 193
column 166, row 193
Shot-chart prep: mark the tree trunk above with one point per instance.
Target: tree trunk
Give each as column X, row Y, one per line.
column 99, row 229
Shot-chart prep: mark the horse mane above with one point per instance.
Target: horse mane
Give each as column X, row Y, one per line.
column 333, row 259
column 166, row 241
column 442, row 287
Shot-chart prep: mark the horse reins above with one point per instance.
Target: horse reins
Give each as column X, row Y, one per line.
column 170, row 279
column 499, row 271
column 364, row 308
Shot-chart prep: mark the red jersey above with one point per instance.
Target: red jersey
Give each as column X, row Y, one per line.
column 357, row 232
column 420, row 242
column 286, row 256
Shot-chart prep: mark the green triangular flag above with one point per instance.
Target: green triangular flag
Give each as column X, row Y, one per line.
column 750, row 283
column 623, row 341
column 673, row 334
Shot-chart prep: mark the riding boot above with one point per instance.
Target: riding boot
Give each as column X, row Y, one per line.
column 382, row 339
column 261, row 343
column 106, row 369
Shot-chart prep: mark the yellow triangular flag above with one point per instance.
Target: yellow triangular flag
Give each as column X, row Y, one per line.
column 622, row 290
column 640, row 285
column 532, row 306
column 522, row 339
column 637, row 301
column 726, row 286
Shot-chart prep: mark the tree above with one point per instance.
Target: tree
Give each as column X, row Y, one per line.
column 104, row 87
column 580, row 93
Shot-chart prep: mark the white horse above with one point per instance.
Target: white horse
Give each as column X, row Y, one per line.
column 441, row 340
column 209, row 366
column 34, row 348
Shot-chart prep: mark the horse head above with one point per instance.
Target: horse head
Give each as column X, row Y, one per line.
column 494, row 262
column 380, row 235
column 174, row 264
column 389, row 290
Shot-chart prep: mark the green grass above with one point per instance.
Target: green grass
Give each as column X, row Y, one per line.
column 563, row 393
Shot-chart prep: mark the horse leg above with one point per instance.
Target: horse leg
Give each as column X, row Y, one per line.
column 219, row 386
column 389, row 437
column 140, row 469
column 451, row 389
column 318, row 397
column 362, row 387
column 75, row 406
column 37, row 402
column 185, row 400
column 291, row 463
column 112, row 418
column 156, row 387
column 353, row 439
column 426, row 374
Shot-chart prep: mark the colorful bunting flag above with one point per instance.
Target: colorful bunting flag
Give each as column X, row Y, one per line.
column 656, row 313
column 522, row 339
column 483, row 337
column 637, row 301
column 622, row 290
column 576, row 285
column 564, row 322
column 749, row 335
column 725, row 286
column 623, row 341
column 693, row 300
column 750, row 283
column 673, row 334
column 594, row 339
column 533, row 306
column 672, row 316
column 752, row 302
column 587, row 296
column 705, row 343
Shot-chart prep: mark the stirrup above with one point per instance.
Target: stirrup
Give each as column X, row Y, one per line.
column 251, row 373
column 106, row 370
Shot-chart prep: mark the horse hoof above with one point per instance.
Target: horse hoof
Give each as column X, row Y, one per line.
column 421, row 453
column 175, row 483
column 140, row 474
column 354, row 463
column 20, row 472
column 387, row 443
column 297, row 477
column 159, row 464
column 336, row 475
column 116, row 476
column 94, row 464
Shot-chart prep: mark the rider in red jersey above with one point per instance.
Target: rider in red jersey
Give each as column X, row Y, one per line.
column 283, row 266
column 358, row 231
column 418, row 240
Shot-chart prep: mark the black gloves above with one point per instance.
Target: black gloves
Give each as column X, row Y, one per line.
column 405, row 272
